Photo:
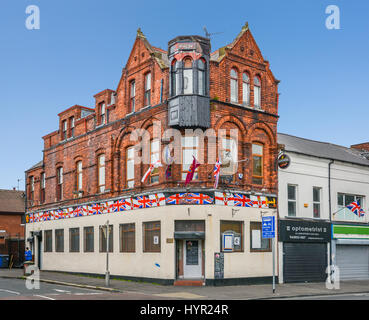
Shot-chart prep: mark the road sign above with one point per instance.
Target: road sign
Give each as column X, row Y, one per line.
column 268, row 227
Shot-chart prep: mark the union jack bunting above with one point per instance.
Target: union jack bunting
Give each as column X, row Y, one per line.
column 131, row 203
column 105, row 207
column 144, row 202
column 224, row 198
column 119, row 206
column 356, row 208
column 241, row 200
column 198, row 198
column 58, row 214
column 79, row 211
column 96, row 209
column 177, row 198
column 36, row 216
column 157, row 199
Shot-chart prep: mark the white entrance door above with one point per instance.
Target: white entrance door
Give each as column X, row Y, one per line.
column 192, row 262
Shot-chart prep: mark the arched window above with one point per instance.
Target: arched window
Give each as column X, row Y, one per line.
column 245, row 89
column 79, row 175
column 187, row 76
column 234, row 86
column 257, row 92
column 147, row 89
column 101, row 173
column 257, row 163
column 201, row 65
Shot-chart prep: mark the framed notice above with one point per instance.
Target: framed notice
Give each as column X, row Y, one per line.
column 156, row 240
column 228, row 242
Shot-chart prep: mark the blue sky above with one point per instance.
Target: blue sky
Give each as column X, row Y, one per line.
column 83, row 45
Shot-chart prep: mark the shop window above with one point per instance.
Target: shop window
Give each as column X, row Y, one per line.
column 151, row 236
column 59, row 240
column 258, row 243
column 103, row 238
column 231, row 236
column 127, row 237
column 48, row 235
column 74, row 240
column 88, row 239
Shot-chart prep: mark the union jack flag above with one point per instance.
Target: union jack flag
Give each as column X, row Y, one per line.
column 96, row 209
column 79, row 211
column 198, row 198
column 356, row 208
column 240, row 200
column 58, row 214
column 36, row 217
column 224, row 198
column 216, row 173
column 144, row 202
column 175, row 198
column 157, row 199
column 31, row 217
column 118, row 206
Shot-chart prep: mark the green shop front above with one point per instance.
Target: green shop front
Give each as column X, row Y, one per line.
column 350, row 251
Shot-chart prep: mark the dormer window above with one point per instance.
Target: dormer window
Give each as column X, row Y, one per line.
column 64, row 129
column 187, row 76
column 147, row 89
column 71, row 125
column 102, row 113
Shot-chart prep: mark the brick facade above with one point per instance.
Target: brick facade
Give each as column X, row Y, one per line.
column 92, row 138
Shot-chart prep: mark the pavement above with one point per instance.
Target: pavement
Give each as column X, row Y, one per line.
column 163, row 292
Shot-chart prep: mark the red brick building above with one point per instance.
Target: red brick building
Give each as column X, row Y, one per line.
column 12, row 213
column 91, row 162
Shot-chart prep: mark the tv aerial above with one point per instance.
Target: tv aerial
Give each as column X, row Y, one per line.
column 207, row 34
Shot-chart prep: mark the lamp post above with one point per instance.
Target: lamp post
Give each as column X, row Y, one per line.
column 107, row 276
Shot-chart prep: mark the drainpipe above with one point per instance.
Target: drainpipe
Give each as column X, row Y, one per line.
column 330, row 205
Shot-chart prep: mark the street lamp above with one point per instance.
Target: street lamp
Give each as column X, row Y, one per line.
column 107, row 276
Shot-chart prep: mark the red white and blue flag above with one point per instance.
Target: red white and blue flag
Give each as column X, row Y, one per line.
column 96, row 209
column 191, row 171
column 175, row 198
column 119, row 205
column 356, row 208
column 154, row 165
column 240, row 200
column 224, row 198
column 216, row 173
column 198, row 198
column 157, row 199
column 144, row 202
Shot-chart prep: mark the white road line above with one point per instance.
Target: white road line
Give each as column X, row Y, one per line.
column 86, row 293
column 63, row 291
column 37, row 295
column 14, row 292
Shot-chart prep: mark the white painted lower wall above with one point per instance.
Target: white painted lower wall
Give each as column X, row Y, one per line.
column 142, row 264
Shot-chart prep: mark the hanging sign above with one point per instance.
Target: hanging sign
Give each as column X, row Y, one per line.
column 284, row 161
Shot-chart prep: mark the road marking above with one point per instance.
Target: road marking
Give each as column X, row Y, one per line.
column 63, row 291
column 14, row 292
column 37, row 295
column 185, row 295
column 86, row 293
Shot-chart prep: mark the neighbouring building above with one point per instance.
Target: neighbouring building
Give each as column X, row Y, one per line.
column 12, row 222
column 224, row 104
column 317, row 180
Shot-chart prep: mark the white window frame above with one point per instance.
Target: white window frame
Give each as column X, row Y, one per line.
column 292, row 200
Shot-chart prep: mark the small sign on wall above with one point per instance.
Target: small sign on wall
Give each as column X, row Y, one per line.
column 156, row 240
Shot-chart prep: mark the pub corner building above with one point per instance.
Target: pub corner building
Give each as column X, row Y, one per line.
column 161, row 228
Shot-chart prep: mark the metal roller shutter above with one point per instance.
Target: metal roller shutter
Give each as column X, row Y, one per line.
column 304, row 262
column 353, row 262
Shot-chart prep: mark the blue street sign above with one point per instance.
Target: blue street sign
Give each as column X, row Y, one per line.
column 268, row 227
